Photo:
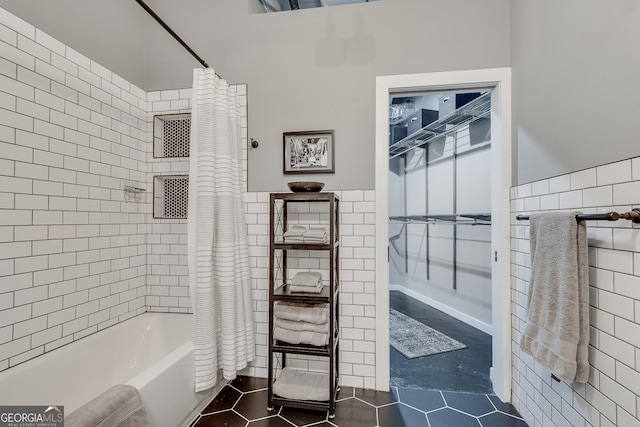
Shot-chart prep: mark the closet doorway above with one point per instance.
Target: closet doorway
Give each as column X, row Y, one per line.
column 456, row 242
column 440, row 240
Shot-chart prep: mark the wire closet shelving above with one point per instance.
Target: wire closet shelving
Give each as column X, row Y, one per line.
column 475, row 110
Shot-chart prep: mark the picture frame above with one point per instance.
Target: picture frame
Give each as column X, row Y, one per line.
column 308, row 152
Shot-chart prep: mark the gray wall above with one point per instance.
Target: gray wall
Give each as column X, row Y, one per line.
column 316, row 69
column 576, row 68
column 306, row 70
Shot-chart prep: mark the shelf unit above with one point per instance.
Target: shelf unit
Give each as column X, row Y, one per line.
column 279, row 214
column 477, row 109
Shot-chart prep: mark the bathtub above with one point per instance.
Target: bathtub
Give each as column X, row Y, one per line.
column 152, row 352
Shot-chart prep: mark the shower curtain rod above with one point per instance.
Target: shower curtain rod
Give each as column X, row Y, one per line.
column 633, row 215
column 173, row 33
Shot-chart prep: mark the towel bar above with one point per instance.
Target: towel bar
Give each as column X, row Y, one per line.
column 633, row 215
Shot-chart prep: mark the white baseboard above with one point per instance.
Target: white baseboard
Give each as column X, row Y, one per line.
column 484, row 327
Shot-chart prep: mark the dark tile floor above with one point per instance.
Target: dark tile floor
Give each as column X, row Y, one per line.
column 243, row 403
column 465, row 370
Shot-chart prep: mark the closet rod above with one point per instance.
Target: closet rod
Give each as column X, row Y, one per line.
column 633, row 215
column 173, row 33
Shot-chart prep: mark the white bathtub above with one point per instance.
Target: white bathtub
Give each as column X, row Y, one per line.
column 152, row 352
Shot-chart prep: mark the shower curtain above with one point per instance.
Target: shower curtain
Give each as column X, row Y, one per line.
column 218, row 252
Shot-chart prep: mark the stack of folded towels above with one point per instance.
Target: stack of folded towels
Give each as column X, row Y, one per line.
column 306, row 281
column 298, row 323
column 300, row 234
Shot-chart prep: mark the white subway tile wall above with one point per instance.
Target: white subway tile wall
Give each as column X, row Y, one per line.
column 612, row 395
column 72, row 249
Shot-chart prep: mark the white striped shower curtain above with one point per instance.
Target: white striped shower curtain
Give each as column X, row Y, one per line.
column 218, row 251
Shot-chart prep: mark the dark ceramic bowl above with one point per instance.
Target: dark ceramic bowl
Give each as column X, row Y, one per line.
column 305, row 186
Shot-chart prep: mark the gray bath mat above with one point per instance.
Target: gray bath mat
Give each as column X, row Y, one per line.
column 414, row 339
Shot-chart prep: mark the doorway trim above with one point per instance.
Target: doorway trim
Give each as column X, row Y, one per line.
column 499, row 81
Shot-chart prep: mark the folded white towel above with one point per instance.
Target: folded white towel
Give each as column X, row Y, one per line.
column 302, row 385
column 315, row 233
column 302, row 326
column 315, row 240
column 318, row 339
column 307, row 278
column 557, row 330
column 312, row 313
column 306, row 289
column 294, row 239
column 295, row 230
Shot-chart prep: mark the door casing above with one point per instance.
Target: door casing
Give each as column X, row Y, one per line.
column 499, row 81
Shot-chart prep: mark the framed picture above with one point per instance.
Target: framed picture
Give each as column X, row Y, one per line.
column 309, row 152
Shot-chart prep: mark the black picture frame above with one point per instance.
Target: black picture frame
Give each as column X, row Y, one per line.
column 308, row 152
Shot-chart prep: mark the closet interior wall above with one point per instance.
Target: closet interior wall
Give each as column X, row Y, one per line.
column 444, row 263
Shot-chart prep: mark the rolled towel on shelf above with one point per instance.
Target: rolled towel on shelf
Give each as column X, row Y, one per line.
column 318, row 339
column 312, row 313
column 302, row 326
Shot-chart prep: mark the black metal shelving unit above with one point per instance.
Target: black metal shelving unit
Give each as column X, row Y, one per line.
column 279, row 291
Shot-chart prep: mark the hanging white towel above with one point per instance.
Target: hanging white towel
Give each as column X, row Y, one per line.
column 218, row 250
column 557, row 330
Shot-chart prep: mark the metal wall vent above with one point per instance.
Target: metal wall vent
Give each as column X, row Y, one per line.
column 171, row 135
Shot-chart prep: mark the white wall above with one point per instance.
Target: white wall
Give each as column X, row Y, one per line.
column 612, row 395
column 72, row 246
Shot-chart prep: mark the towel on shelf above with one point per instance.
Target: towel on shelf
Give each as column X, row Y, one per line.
column 315, row 235
column 294, row 234
column 295, row 231
column 119, row 406
column 306, row 289
column 292, row 325
column 307, row 278
column 557, row 331
column 294, row 239
column 300, row 312
column 306, row 281
column 302, row 385
column 318, row 339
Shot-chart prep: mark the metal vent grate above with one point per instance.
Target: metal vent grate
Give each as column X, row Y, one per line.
column 171, row 135
column 171, row 199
